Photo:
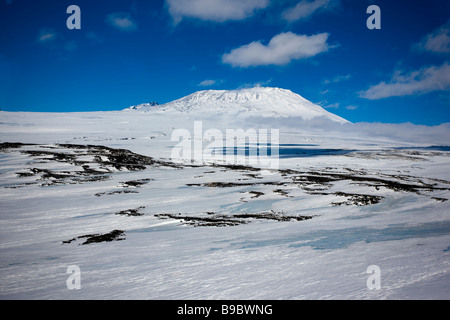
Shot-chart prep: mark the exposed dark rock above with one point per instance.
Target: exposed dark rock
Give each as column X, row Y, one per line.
column 115, row 235
column 232, row 184
column 236, row 167
column 135, row 183
column 223, row 220
column 198, row 221
column 282, row 192
column 99, row 194
column 278, row 216
column 357, row 199
column 13, row 145
column 256, row 194
column 131, row 212
column 93, row 163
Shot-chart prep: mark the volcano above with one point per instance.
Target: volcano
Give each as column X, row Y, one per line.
column 256, row 102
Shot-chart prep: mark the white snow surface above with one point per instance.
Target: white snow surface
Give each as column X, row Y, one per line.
column 45, row 219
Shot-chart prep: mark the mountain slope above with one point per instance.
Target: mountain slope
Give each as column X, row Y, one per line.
column 258, row 101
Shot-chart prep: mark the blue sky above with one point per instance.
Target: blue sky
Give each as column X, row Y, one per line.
column 131, row 52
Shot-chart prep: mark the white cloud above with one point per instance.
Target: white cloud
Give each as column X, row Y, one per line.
column 214, row 10
column 304, row 9
column 331, row 106
column 337, row 79
column 207, row 83
column 257, row 84
column 437, row 41
column 121, row 21
column 326, row 105
column 281, row 50
column 46, row 35
column 417, row 82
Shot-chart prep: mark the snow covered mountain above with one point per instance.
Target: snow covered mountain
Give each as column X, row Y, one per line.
column 258, row 101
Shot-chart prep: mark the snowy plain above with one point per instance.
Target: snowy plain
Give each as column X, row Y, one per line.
column 342, row 199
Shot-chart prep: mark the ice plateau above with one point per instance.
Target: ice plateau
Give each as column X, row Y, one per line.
column 98, row 192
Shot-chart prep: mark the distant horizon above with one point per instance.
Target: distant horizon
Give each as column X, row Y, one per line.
column 237, row 89
column 364, row 65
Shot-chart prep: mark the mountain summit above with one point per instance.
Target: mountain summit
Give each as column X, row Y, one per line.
column 258, row 101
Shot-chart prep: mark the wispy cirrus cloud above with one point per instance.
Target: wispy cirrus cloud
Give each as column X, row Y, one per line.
column 214, row 10
column 424, row 80
column 304, row 9
column 437, row 41
column 209, row 82
column 55, row 41
column 325, row 105
column 122, row 21
column 281, row 50
column 46, row 35
column 336, row 79
column 420, row 81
